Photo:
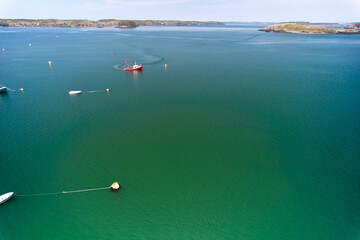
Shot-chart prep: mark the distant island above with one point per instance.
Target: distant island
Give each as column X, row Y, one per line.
column 306, row 28
column 355, row 26
column 100, row 23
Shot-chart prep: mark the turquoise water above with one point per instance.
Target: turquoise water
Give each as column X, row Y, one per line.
column 246, row 134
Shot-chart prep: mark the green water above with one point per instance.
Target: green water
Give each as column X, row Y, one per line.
column 246, row 135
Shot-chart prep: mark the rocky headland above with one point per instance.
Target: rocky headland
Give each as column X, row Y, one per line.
column 303, row 28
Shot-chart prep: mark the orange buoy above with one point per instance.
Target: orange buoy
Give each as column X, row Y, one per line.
column 115, row 186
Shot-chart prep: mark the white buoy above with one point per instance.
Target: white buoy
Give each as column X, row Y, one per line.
column 107, row 90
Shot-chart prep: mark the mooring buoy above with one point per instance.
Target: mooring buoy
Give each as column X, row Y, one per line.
column 115, row 186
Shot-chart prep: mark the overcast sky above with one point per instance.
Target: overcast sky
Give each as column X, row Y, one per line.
column 204, row 10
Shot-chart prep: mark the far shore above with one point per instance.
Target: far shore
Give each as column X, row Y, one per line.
column 285, row 27
column 105, row 23
column 306, row 28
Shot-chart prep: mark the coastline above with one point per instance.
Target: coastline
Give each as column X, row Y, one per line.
column 305, row 28
column 104, row 23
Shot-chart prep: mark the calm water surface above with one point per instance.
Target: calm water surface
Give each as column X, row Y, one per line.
column 246, row 134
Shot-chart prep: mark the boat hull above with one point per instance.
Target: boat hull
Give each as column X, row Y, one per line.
column 133, row 69
column 75, row 92
column 3, row 90
column 5, row 197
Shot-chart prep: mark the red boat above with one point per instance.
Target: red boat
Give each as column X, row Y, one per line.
column 134, row 67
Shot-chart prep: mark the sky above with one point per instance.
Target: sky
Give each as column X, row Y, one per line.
column 340, row 11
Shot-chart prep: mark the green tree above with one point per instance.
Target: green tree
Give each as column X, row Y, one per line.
column 127, row 23
column 3, row 24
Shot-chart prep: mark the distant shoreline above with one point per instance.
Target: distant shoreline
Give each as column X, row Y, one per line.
column 105, row 23
column 285, row 27
column 306, row 28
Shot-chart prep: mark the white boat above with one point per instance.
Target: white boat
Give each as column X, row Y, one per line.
column 5, row 197
column 74, row 92
column 3, row 89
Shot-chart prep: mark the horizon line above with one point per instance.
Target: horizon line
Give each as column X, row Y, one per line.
column 230, row 21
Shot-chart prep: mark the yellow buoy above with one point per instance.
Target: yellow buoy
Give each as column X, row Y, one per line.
column 115, row 186
column 30, row 44
column 21, row 89
column 165, row 65
column 49, row 63
column 107, row 90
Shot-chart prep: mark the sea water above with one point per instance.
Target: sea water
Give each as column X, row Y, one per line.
column 245, row 134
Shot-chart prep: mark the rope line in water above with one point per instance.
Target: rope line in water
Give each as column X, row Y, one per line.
column 12, row 90
column 94, row 91
column 63, row 192
column 86, row 190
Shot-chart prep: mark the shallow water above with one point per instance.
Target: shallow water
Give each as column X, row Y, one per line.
column 246, row 134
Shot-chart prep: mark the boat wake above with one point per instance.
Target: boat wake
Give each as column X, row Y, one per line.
column 149, row 59
column 155, row 60
column 119, row 66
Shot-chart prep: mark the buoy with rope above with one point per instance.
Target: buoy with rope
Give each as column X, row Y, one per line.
column 15, row 90
column 5, row 197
